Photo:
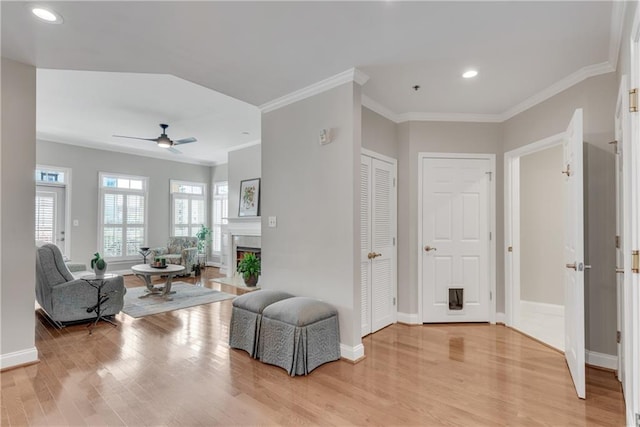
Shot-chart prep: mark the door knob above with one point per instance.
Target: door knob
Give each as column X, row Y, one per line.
column 429, row 249
column 373, row 255
column 571, row 266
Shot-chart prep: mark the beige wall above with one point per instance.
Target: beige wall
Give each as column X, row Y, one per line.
column 243, row 164
column 542, row 194
column 379, row 134
column 17, row 224
column 313, row 190
column 86, row 163
column 600, row 251
column 439, row 137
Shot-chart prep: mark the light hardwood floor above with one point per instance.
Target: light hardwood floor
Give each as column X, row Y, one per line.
column 176, row 369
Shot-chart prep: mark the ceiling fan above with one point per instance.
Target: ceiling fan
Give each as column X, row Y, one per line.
column 163, row 140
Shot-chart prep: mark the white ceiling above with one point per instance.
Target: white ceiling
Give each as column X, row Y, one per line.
column 259, row 51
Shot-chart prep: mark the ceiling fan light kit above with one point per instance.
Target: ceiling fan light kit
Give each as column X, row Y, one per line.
column 163, row 140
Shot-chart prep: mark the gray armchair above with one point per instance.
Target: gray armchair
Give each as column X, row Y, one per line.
column 66, row 299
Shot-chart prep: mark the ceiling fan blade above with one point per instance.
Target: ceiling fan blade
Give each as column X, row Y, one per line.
column 174, row 151
column 135, row 137
column 184, row 141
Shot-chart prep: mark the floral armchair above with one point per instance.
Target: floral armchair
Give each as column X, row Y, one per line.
column 180, row 250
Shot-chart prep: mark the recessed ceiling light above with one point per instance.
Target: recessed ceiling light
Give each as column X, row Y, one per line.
column 47, row 15
column 470, row 74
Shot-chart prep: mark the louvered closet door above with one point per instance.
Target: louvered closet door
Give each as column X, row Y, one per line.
column 378, row 252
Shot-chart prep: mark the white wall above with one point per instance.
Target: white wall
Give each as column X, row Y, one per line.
column 542, row 196
column 86, row 163
column 243, row 164
column 314, row 192
column 17, row 224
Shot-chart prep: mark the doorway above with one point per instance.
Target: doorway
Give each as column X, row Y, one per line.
column 456, row 222
column 51, row 206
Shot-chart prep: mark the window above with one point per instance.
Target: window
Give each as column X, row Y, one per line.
column 50, row 176
column 45, row 216
column 220, row 212
column 187, row 207
column 123, row 215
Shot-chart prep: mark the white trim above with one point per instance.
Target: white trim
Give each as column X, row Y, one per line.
column 409, row 318
column 512, row 223
column 561, row 85
column 18, row 358
column 174, row 195
column 500, row 318
column 352, row 353
column 601, row 360
column 351, row 75
column 379, row 156
column 492, row 224
column 376, row 107
column 618, row 9
column 243, row 146
column 542, row 308
column 450, row 117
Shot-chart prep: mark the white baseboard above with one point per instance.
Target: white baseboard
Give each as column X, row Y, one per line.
column 527, row 307
column 352, row 353
column 501, row 318
column 408, row 318
column 602, row 360
column 18, row 358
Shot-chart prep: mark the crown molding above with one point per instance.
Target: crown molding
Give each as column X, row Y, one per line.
column 450, row 117
column 618, row 9
column 564, row 84
column 243, row 146
column 376, row 107
column 351, row 75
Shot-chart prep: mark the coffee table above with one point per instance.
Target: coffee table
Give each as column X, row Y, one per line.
column 145, row 271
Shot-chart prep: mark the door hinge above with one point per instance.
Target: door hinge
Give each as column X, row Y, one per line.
column 394, row 182
column 617, row 242
column 618, row 336
column 615, row 146
column 633, row 100
column 510, row 249
column 490, row 295
column 490, row 236
column 394, row 241
column 394, row 300
column 635, row 261
column 490, row 175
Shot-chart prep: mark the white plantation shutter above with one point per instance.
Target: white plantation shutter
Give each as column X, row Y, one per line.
column 188, row 207
column 45, row 216
column 123, row 222
column 220, row 211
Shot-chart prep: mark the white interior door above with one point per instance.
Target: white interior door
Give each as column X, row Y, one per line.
column 455, row 266
column 378, row 250
column 574, row 253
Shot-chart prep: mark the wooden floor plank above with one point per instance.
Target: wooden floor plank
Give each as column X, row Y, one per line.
column 176, row 368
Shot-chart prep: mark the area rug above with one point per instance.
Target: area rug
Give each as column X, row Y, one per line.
column 186, row 296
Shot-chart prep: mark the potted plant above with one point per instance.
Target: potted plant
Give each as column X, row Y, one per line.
column 99, row 265
column 204, row 237
column 249, row 267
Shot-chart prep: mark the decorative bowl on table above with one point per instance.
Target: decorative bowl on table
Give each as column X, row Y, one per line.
column 158, row 265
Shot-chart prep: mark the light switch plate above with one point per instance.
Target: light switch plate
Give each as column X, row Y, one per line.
column 273, row 222
column 76, row 223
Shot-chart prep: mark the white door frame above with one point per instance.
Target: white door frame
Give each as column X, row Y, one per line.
column 492, row 225
column 512, row 223
column 67, row 203
column 394, row 222
column 631, row 176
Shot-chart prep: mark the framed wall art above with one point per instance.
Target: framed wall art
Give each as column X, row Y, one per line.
column 249, row 197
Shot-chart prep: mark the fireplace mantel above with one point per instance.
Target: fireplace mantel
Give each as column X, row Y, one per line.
column 251, row 226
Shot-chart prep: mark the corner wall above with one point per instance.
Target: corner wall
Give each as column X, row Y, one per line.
column 313, row 190
column 17, row 224
column 243, row 164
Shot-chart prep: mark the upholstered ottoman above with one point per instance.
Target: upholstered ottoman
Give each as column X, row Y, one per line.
column 246, row 314
column 299, row 334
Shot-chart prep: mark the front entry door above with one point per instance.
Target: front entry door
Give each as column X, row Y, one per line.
column 50, row 215
column 455, row 241
column 574, row 253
